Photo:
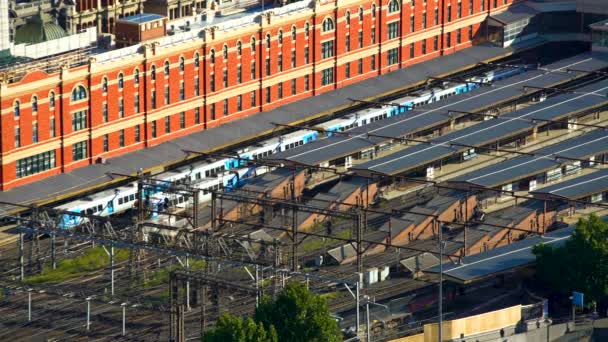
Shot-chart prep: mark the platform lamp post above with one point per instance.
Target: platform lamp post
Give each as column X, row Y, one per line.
column 368, row 301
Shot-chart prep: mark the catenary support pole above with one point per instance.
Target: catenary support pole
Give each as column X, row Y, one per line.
column 257, row 286
column 124, row 318
column 112, row 270
column 187, row 284
column 357, row 286
column 21, row 255
column 367, row 320
column 440, row 229
column 29, row 305
column 53, row 251
column 88, row 313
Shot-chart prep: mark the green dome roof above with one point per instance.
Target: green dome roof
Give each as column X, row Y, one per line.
column 40, row 28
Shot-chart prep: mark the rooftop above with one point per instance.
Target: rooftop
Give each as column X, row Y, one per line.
column 514, row 14
column 142, row 18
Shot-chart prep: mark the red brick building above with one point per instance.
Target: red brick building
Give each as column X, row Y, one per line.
column 73, row 111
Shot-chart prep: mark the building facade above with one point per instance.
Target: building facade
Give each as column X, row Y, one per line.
column 79, row 110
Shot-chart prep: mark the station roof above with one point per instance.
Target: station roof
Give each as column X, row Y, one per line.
column 501, row 259
column 269, row 180
column 489, row 131
column 576, row 188
column 436, row 206
column 496, row 222
column 141, row 18
column 420, row 262
column 520, row 167
column 338, row 146
column 514, row 14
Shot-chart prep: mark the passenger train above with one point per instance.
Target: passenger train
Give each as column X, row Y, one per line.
column 414, row 100
column 230, row 173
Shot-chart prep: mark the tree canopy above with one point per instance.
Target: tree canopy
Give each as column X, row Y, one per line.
column 296, row 315
column 299, row 315
column 232, row 328
column 581, row 264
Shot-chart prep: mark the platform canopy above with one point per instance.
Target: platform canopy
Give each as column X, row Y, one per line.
column 500, row 260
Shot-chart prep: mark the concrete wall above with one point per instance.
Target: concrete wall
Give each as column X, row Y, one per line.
column 473, row 325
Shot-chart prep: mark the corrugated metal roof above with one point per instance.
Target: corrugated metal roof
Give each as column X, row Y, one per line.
column 514, row 14
column 434, row 114
column 501, row 259
column 576, row 188
column 489, row 131
column 514, row 169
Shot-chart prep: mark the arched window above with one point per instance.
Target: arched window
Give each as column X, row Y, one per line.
column 328, row 25
column 393, row 6
column 225, row 52
column 280, row 37
column 120, row 81
column 79, row 93
column 166, row 68
column 212, row 56
column 52, row 99
column 17, row 108
column 268, row 40
column 374, row 11
column 34, row 104
column 306, row 30
column 360, row 13
column 136, row 76
column 293, row 33
column 239, row 48
column 197, row 58
column 347, row 17
column 153, row 72
column 182, row 64
column 104, row 85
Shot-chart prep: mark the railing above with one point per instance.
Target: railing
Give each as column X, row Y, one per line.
column 14, row 72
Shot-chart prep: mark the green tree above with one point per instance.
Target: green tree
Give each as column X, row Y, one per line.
column 581, row 264
column 298, row 315
column 235, row 329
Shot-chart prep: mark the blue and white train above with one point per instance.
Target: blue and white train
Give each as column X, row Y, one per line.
column 230, row 173
column 414, row 100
